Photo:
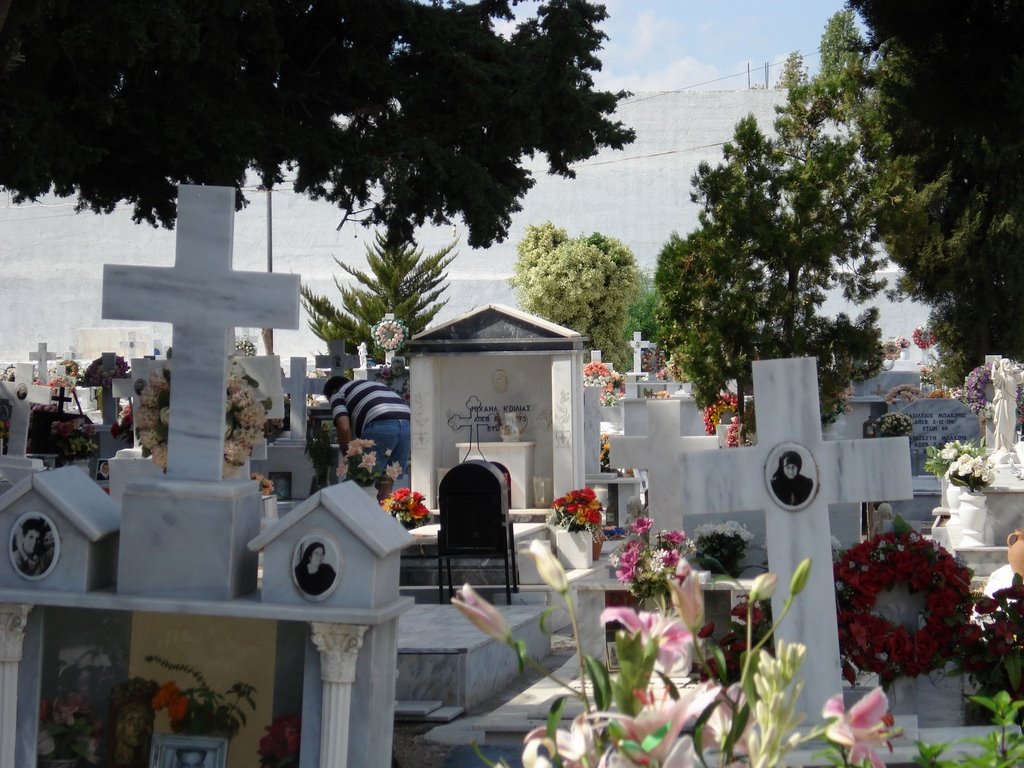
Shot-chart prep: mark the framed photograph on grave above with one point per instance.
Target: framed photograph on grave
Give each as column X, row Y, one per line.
column 316, row 565
column 791, row 475
column 102, row 470
column 33, row 544
column 172, row 750
column 282, row 484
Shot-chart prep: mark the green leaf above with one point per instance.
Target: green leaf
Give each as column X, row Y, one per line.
column 598, row 675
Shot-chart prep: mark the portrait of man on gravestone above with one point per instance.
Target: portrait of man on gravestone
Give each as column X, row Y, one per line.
column 790, row 486
column 33, row 545
column 316, row 564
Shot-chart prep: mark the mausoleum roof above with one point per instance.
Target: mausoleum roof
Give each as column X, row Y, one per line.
column 78, row 499
column 495, row 328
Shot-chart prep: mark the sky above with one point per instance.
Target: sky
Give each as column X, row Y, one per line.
column 667, row 45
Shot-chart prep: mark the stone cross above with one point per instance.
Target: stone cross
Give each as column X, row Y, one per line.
column 42, row 358
column 336, row 359
column 128, row 347
column 474, row 420
column 295, row 385
column 131, row 388
column 659, row 452
column 638, row 345
column 16, row 399
column 203, row 298
column 108, row 445
column 793, row 475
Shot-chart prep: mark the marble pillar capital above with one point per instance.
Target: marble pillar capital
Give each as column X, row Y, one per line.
column 13, row 618
column 339, row 646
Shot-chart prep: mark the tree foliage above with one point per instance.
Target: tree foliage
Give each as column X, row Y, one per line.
column 950, row 94
column 643, row 313
column 783, row 220
column 585, row 283
column 401, row 280
column 400, row 112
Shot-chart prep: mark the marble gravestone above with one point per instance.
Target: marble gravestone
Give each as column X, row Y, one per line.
column 796, row 503
column 938, row 421
column 191, row 510
column 659, row 452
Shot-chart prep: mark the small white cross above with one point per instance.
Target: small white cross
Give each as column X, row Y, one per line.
column 203, row 298
column 17, row 397
column 797, row 525
column 336, row 359
column 42, row 358
column 638, row 345
column 295, row 386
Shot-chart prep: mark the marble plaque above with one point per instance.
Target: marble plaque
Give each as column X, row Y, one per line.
column 936, row 422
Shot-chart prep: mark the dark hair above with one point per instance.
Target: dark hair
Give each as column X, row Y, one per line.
column 36, row 524
column 333, row 385
column 307, row 553
column 790, row 457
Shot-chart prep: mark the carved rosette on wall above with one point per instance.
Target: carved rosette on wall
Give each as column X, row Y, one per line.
column 339, row 646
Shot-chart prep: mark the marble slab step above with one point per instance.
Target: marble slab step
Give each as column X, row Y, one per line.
column 441, row 656
column 415, row 709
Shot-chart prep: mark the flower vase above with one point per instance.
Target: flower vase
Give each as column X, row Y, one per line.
column 973, row 516
column 904, row 354
column 902, row 695
column 384, row 487
column 598, row 545
column 1015, row 551
column 575, row 549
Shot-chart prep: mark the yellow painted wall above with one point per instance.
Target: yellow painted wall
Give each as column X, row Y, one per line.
column 226, row 651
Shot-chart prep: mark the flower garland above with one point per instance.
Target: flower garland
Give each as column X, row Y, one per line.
column 902, row 394
column 713, row 413
column 98, row 376
column 244, row 416
column 923, row 337
column 390, row 334
column 894, row 424
column 869, row 642
column 974, row 390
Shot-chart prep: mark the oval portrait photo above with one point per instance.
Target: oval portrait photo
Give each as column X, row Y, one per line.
column 34, row 545
column 792, row 476
column 316, row 565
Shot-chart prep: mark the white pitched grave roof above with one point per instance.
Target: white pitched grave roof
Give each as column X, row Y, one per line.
column 372, row 526
column 498, row 328
column 83, row 503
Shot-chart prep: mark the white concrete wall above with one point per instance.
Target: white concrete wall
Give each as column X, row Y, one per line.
column 51, row 258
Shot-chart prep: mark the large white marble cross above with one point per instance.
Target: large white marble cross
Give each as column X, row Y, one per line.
column 203, row 298
column 659, row 452
column 638, row 345
column 41, row 357
column 793, row 475
column 16, row 399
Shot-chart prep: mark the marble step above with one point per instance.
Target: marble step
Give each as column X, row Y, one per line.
column 441, row 656
column 425, row 712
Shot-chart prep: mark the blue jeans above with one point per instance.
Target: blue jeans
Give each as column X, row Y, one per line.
column 391, row 434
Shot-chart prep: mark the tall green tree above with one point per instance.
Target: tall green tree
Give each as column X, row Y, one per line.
column 643, row 313
column 950, row 95
column 399, row 112
column 783, row 220
column 401, row 280
column 586, row 283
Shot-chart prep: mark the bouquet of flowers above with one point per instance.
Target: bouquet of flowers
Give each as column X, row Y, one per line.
column 720, row 548
column 941, row 459
column 280, row 747
column 971, row 472
column 63, row 374
column 74, row 439
column 894, row 424
column 98, row 376
column 123, row 425
column 605, row 455
column 199, row 709
column 390, row 334
column 266, row 486
column 360, row 464
column 923, row 337
column 244, row 416
column 713, row 413
column 578, row 510
column 245, row 347
column 992, row 654
column 645, row 568
column 68, row 730
column 407, row 507
column 596, row 374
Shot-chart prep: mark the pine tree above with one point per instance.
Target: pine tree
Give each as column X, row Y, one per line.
column 401, row 280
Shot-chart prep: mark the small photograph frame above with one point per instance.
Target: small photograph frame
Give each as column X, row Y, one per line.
column 316, row 565
column 172, row 750
column 282, row 484
column 33, row 544
column 103, row 470
column 791, row 476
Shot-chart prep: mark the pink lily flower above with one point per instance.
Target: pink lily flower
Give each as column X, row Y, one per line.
column 675, row 642
column 867, row 725
column 482, row 614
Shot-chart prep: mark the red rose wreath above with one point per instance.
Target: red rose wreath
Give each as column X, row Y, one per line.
column 869, row 642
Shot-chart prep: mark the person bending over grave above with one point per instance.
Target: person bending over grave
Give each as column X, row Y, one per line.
column 789, row 486
column 371, row 411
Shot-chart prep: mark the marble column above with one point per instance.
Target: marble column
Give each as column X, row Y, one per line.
column 12, row 634
column 339, row 646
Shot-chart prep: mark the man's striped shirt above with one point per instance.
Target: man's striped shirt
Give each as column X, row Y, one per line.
column 365, row 402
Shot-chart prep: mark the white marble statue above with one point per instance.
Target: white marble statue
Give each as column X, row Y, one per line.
column 363, row 355
column 1006, row 377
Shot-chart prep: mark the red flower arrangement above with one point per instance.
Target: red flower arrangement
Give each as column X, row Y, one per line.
column 713, row 413
column 923, row 337
column 869, row 642
column 280, row 747
column 993, row 647
column 407, row 507
column 578, row 510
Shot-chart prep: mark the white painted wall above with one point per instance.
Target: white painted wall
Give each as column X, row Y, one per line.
column 51, row 258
